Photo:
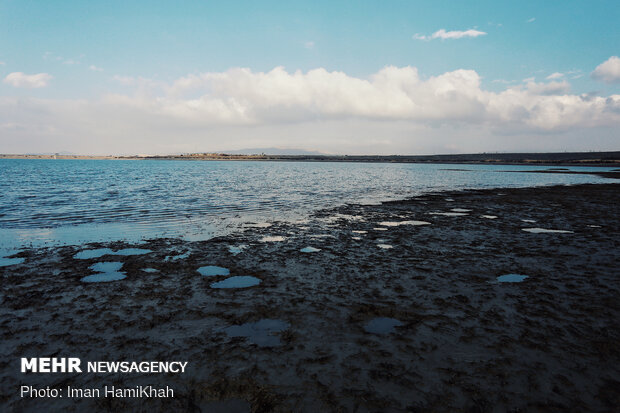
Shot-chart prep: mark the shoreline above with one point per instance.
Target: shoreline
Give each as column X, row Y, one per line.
column 465, row 341
column 602, row 159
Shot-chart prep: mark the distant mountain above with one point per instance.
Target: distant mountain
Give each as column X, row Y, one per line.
column 272, row 151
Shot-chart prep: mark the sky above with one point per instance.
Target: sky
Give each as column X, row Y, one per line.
column 339, row 77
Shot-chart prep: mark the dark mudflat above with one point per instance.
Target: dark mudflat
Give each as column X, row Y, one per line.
column 466, row 343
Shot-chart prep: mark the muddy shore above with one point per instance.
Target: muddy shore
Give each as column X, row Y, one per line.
column 463, row 341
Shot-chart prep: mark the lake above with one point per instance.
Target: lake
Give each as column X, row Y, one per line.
column 66, row 202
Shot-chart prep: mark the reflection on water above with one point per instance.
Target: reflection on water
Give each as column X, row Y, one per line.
column 310, row 249
column 90, row 254
column 240, row 281
column 212, row 270
column 395, row 224
column 546, row 231
column 273, row 238
column 105, row 272
column 449, row 214
column 72, row 202
column 511, row 278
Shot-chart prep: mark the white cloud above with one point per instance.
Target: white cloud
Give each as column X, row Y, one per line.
column 2, row 63
column 608, row 71
column 551, row 88
column 395, row 110
column 19, row 79
column 453, row 34
column 95, row 68
column 309, row 45
column 555, row 75
column 531, row 20
column 242, row 97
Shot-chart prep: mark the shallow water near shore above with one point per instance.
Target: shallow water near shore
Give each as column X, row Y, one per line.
column 73, row 202
column 239, row 281
column 5, row 262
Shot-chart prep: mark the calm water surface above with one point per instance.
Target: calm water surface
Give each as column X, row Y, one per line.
column 54, row 202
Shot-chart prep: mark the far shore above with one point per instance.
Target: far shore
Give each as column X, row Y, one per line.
column 544, row 159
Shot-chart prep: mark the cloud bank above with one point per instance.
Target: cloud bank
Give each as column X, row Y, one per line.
column 395, row 110
column 19, row 79
column 241, row 96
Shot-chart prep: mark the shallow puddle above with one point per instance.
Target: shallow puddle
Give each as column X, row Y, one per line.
column 546, row 231
column 310, row 249
column 263, row 333
column 395, row 224
column 106, row 272
column 212, row 270
column 88, row 254
column 5, row 262
column 389, row 223
column 240, row 281
column 511, row 278
column 150, row 270
column 449, row 214
column 382, row 325
column 275, row 238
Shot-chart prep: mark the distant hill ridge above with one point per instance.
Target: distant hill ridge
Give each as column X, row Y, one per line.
column 611, row 158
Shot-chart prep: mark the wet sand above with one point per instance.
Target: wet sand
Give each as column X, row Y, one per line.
column 456, row 339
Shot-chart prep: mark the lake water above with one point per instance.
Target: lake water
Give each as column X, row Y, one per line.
column 58, row 202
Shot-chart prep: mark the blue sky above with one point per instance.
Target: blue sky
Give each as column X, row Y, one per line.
column 88, row 48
